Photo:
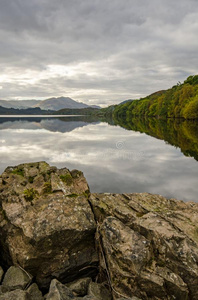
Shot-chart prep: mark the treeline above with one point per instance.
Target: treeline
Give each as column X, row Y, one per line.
column 77, row 111
column 181, row 101
column 26, row 111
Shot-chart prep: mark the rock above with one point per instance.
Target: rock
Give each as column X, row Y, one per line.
column 16, row 278
column 1, row 273
column 15, row 295
column 88, row 298
column 46, row 223
column 150, row 245
column 4, row 289
column 99, row 291
column 34, row 292
column 58, row 291
column 147, row 244
column 80, row 286
column 133, row 298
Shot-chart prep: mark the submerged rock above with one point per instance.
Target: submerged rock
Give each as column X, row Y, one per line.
column 46, row 223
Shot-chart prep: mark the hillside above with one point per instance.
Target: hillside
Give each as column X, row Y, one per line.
column 51, row 103
column 19, row 104
column 60, row 103
column 77, row 111
column 180, row 101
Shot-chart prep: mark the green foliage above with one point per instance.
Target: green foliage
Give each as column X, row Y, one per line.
column 18, row 171
column 181, row 101
column 30, row 194
column 47, row 188
column 67, row 178
column 191, row 111
column 72, row 195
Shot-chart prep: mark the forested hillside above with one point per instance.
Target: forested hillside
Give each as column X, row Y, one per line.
column 181, row 101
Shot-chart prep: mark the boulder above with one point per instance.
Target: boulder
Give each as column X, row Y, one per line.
column 46, row 222
column 80, row 286
column 16, row 278
column 149, row 245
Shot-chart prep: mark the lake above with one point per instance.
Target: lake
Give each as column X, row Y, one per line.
column 113, row 158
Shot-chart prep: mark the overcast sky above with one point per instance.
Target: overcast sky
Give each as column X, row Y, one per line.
column 95, row 51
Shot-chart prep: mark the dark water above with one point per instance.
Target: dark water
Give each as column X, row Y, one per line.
column 113, row 158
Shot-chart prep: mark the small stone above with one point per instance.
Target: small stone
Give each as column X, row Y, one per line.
column 80, row 286
column 34, row 292
column 16, row 278
column 98, row 291
column 4, row 289
column 59, row 291
column 15, row 295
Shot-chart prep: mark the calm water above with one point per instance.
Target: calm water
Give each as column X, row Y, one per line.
column 112, row 158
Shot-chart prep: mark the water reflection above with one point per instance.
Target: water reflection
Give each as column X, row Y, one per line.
column 112, row 158
column 177, row 132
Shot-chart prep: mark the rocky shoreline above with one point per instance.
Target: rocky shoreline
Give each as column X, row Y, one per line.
column 59, row 242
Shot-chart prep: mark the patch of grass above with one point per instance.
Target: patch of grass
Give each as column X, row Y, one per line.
column 47, row 188
column 72, row 195
column 18, row 172
column 67, row 178
column 86, row 194
column 30, row 194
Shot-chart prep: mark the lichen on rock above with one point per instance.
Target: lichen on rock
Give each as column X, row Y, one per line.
column 42, row 229
column 125, row 246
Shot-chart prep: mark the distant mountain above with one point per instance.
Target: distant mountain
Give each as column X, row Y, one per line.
column 60, row 103
column 18, row 103
column 51, row 103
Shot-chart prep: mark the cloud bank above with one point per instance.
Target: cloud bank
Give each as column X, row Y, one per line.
column 96, row 51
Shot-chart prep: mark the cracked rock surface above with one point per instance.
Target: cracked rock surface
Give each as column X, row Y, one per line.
column 70, row 244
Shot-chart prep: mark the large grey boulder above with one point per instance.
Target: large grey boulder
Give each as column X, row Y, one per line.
column 46, row 223
column 149, row 245
column 16, row 278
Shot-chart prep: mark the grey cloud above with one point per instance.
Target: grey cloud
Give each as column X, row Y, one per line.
column 134, row 46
